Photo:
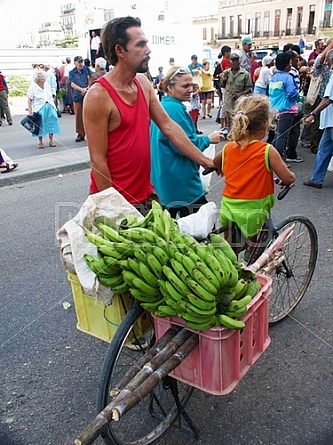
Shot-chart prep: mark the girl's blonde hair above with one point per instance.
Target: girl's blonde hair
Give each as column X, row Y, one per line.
column 251, row 114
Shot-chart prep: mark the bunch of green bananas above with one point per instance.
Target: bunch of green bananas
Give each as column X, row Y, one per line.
column 170, row 273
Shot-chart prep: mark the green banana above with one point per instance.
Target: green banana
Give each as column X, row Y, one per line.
column 240, row 289
column 172, row 293
column 151, row 307
column 97, row 240
column 146, row 247
column 147, row 275
column 123, row 264
column 253, row 288
column 166, row 218
column 199, row 277
column 131, row 235
column 104, row 220
column 179, row 270
column 146, row 234
column 134, row 265
column 124, row 248
column 193, row 309
column 158, row 224
column 111, row 234
column 202, row 326
column 200, row 291
column 121, row 288
column 223, row 245
column 111, row 270
column 196, row 318
column 199, row 303
column 161, row 255
column 177, row 307
column 189, row 240
column 178, row 284
column 238, row 304
column 141, row 296
column 167, row 310
column 172, row 250
column 236, row 314
column 128, row 221
column 225, row 268
column 229, row 322
column 154, row 265
column 110, row 252
column 188, row 264
column 128, row 277
column 144, row 287
column 111, row 281
column 200, row 265
column 139, row 253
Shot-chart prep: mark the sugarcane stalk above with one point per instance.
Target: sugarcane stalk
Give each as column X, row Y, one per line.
column 134, row 369
column 134, row 397
column 118, row 406
column 268, row 254
column 150, row 366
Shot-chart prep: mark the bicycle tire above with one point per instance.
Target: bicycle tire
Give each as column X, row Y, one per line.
column 292, row 278
column 139, row 426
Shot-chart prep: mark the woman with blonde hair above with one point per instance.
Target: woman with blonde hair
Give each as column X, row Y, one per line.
column 248, row 163
column 40, row 100
column 174, row 176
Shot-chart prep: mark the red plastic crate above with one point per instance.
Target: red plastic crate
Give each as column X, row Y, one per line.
column 223, row 356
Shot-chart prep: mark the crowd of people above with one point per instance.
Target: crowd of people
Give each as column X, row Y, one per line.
column 285, row 79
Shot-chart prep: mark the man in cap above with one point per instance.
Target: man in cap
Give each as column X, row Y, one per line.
column 244, row 53
column 79, row 80
column 195, row 67
column 237, row 82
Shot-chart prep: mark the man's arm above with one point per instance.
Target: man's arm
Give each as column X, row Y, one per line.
column 96, row 124
column 78, row 88
column 174, row 132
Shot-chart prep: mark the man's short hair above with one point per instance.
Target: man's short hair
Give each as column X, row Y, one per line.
column 316, row 43
column 283, row 60
column 101, row 62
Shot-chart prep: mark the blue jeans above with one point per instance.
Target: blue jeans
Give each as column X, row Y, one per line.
column 323, row 157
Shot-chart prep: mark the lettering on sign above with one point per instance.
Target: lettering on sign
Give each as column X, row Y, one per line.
column 162, row 40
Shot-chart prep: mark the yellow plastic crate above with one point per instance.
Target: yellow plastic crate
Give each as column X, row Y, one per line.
column 99, row 319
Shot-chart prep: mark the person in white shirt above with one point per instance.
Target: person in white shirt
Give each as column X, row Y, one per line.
column 95, row 46
column 40, row 100
column 262, row 83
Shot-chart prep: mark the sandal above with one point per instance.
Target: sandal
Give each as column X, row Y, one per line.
column 52, row 144
column 9, row 167
column 40, row 145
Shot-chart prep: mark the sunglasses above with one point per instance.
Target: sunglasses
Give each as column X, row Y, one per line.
column 179, row 71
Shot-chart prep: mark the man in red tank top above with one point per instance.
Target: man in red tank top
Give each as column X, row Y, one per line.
column 117, row 112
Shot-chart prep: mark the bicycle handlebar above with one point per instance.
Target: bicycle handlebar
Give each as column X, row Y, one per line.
column 280, row 196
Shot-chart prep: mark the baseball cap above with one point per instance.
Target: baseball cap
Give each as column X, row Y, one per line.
column 234, row 56
column 194, row 56
column 77, row 58
column 247, row 40
column 267, row 60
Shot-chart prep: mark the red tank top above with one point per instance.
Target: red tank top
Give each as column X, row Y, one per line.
column 128, row 154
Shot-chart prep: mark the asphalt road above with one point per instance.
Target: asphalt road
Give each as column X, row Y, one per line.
column 49, row 370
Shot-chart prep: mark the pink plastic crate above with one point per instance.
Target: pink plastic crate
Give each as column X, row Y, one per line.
column 223, row 356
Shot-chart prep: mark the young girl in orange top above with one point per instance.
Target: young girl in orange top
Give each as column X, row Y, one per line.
column 247, row 164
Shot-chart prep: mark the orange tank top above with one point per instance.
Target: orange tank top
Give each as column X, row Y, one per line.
column 247, row 173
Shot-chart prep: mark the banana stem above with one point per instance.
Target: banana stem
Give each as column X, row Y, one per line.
column 164, row 362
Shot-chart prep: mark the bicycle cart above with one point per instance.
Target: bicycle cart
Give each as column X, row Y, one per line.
column 153, row 364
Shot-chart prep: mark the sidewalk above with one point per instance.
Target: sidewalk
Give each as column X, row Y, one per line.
column 50, row 164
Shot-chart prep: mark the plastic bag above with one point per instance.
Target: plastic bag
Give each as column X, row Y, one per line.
column 206, row 180
column 200, row 224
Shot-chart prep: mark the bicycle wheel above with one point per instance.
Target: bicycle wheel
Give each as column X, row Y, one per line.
column 150, row 419
column 292, row 278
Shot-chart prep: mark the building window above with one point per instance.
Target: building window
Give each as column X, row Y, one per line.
column 257, row 25
column 223, row 30
column 289, row 19
column 327, row 14
column 266, row 24
column 239, row 25
column 277, row 22
column 231, row 26
column 204, row 34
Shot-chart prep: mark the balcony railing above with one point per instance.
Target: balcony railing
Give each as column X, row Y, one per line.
column 268, row 34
